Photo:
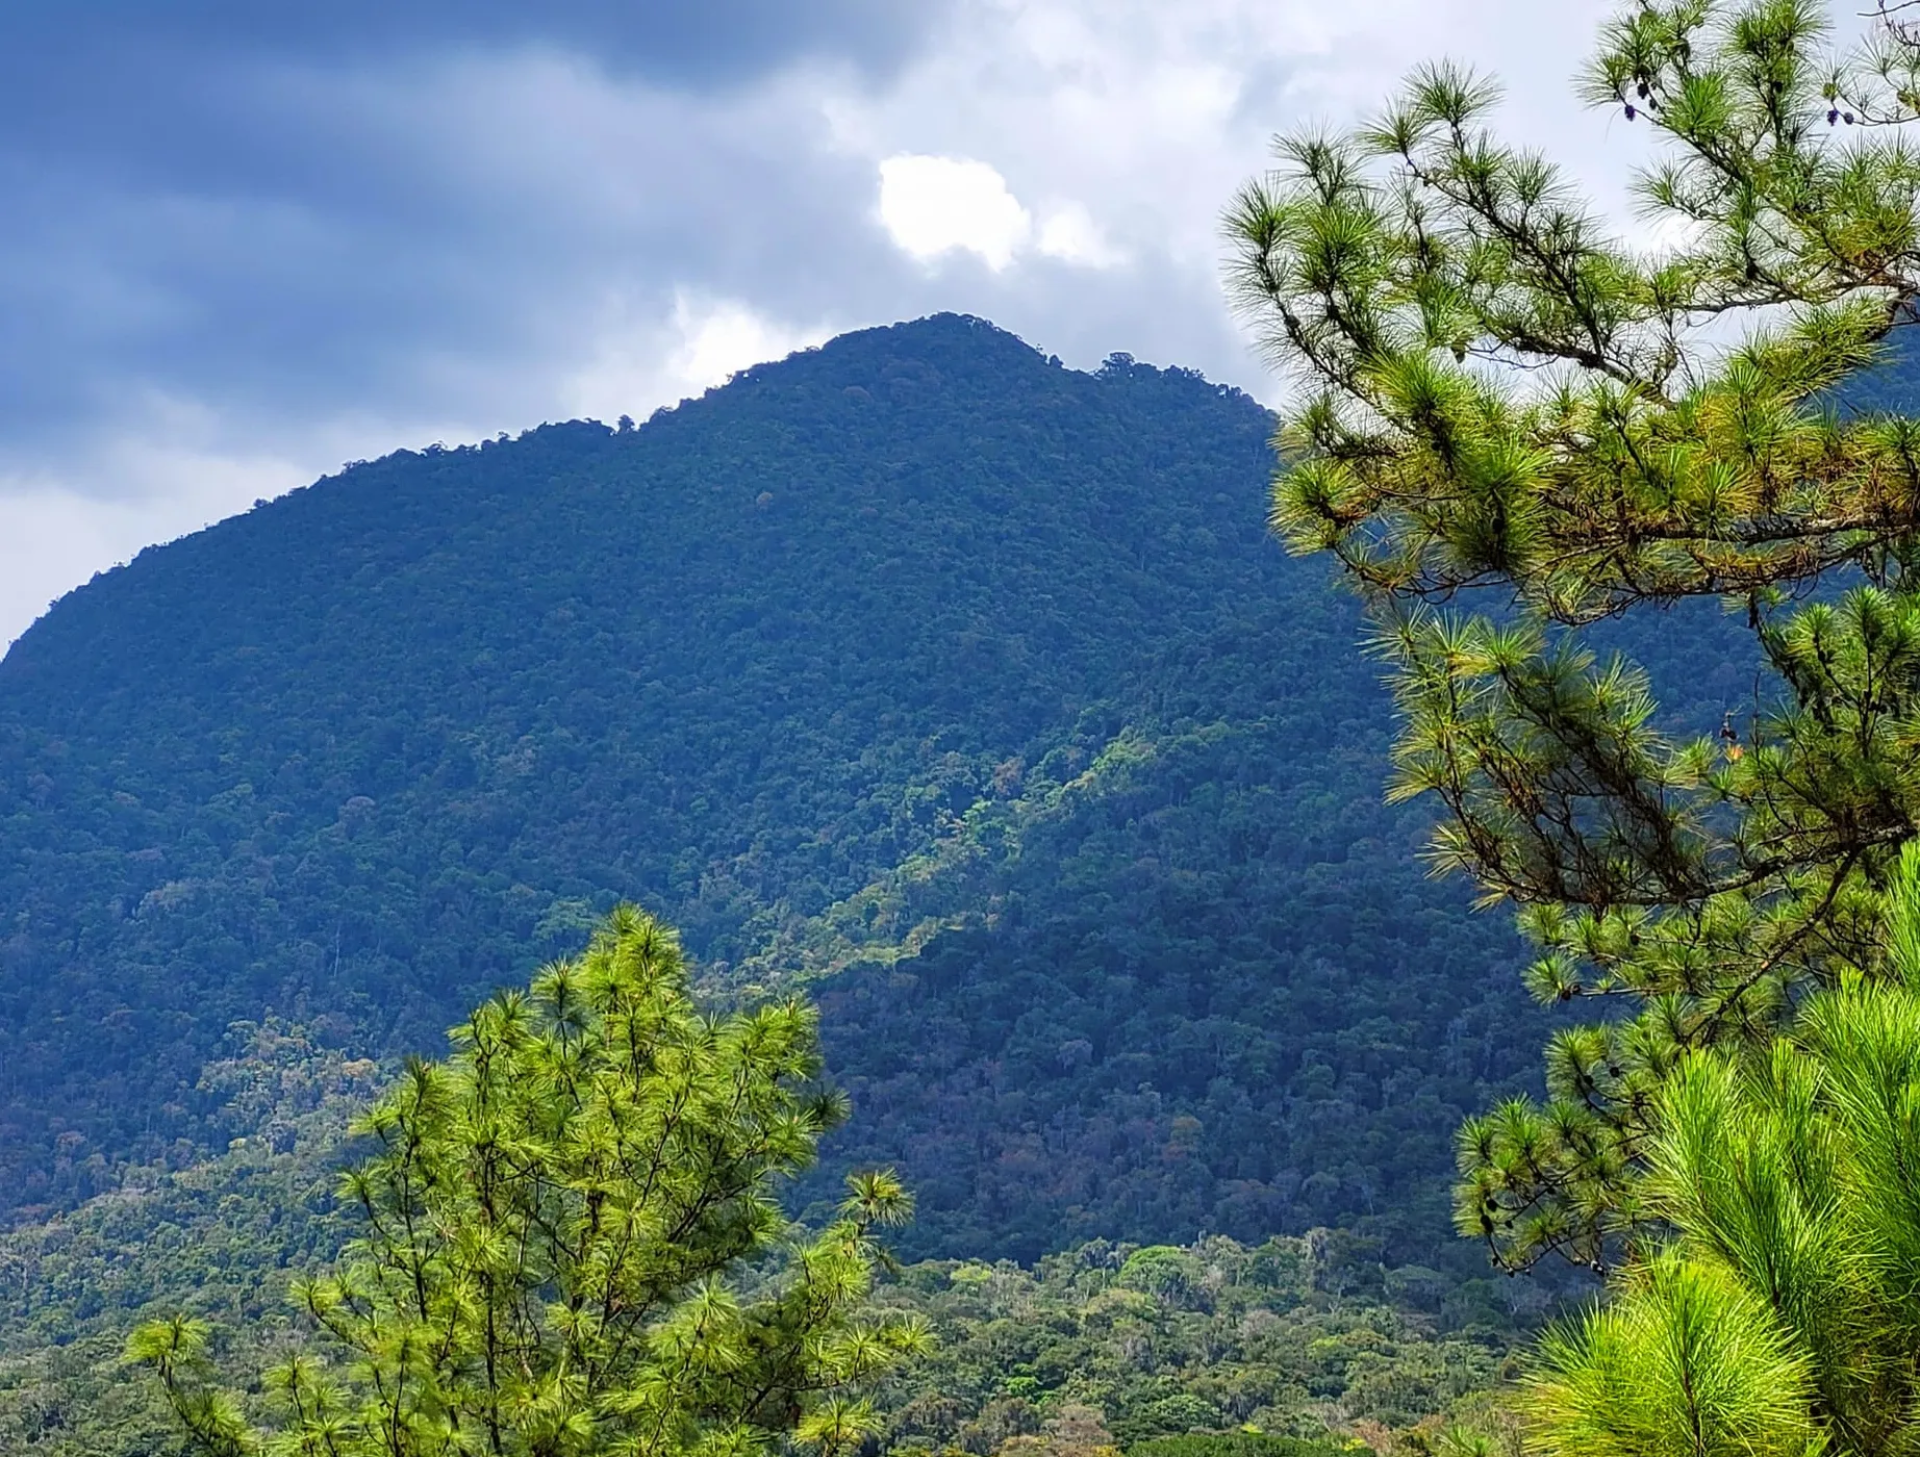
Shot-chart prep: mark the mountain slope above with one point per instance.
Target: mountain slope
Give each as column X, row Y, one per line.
column 965, row 684
column 1291, row 1334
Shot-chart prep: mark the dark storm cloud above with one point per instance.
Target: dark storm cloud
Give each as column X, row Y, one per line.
column 182, row 93
column 50, row 53
column 288, row 205
column 185, row 95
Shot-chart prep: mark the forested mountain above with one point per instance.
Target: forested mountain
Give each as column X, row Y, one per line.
column 968, row 687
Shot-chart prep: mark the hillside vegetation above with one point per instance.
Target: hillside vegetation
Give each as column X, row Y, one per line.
column 1106, row 1344
column 965, row 686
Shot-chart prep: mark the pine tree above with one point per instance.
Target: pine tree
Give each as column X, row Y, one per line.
column 1492, row 389
column 570, row 1243
column 1784, row 1315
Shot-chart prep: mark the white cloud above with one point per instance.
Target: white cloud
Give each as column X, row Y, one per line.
column 936, row 205
column 641, row 364
column 1122, row 128
column 1071, row 235
column 932, row 206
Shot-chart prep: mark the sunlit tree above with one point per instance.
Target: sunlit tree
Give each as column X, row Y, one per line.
column 570, row 1243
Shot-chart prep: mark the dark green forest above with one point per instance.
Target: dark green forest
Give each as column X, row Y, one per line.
column 964, row 692
column 1106, row 1344
column 965, row 686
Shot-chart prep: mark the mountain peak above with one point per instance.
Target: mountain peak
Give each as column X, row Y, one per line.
column 938, row 343
column 918, row 662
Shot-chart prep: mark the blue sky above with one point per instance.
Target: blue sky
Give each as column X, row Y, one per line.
column 245, row 243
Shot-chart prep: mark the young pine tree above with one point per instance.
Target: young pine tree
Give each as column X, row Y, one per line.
column 571, row 1246
column 1496, row 388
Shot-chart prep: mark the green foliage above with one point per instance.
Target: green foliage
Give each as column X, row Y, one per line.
column 1302, row 1335
column 1236, row 1444
column 1497, row 390
column 1782, row 1315
column 1003, row 725
column 1297, row 1334
column 555, row 1227
column 1249, row 1345
column 1685, row 1361
column 1121, row 1007
column 1747, row 1130
column 217, row 1241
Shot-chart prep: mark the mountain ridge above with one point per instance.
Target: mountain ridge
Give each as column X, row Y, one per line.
column 363, row 754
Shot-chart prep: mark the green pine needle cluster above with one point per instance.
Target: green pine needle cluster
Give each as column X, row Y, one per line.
column 1782, row 1316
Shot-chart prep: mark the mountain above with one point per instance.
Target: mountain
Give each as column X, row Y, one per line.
column 966, row 689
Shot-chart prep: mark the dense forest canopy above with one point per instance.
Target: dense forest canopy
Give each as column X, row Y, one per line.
column 1106, row 1344
column 966, row 687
